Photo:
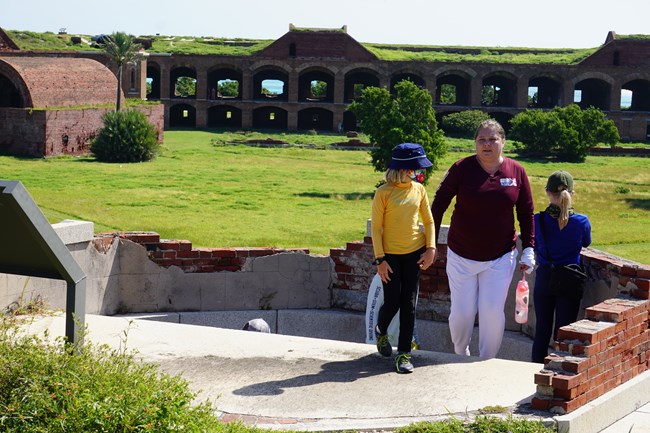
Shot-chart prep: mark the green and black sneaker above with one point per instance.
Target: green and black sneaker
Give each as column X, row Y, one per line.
column 383, row 345
column 403, row 363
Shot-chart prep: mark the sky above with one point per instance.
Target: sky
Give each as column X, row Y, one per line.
column 497, row 23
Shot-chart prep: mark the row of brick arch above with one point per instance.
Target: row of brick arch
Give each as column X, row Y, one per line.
column 181, row 115
column 266, row 117
column 466, row 87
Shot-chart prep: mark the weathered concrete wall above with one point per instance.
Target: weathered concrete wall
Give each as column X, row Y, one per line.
column 279, row 281
column 122, row 278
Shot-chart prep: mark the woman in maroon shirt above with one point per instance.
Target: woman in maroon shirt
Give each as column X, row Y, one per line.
column 482, row 239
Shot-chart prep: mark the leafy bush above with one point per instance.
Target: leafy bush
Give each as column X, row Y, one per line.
column 127, row 136
column 565, row 132
column 464, row 123
column 405, row 117
column 44, row 388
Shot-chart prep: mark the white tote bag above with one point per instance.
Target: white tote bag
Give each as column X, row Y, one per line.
column 373, row 304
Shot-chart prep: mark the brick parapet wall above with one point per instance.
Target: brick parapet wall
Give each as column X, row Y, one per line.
column 180, row 253
column 610, row 346
column 622, row 276
column 594, row 355
column 354, row 270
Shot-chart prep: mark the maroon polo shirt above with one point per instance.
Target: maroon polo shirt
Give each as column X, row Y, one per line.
column 483, row 223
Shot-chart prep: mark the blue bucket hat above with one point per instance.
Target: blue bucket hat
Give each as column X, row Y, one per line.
column 409, row 156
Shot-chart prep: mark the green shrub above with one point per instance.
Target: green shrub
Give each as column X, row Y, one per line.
column 127, row 136
column 463, row 124
column 44, row 388
column 404, row 117
column 564, row 132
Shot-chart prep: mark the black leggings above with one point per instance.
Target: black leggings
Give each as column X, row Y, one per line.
column 401, row 293
column 551, row 313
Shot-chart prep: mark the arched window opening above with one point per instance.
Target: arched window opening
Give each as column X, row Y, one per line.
column 490, row 95
column 453, row 88
column 270, row 118
column 153, row 82
column 635, row 95
column 182, row 116
column 182, row 82
column 272, row 88
column 594, row 92
column 185, row 87
column 9, row 95
column 355, row 83
column 448, row 94
column 318, row 90
column 224, row 116
column 227, row 89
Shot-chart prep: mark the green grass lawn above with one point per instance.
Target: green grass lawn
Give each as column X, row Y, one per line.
column 223, row 195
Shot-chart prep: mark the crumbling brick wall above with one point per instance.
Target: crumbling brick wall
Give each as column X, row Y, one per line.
column 45, row 133
column 180, row 253
column 595, row 355
column 354, row 271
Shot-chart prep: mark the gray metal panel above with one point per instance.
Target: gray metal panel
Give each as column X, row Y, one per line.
column 30, row 246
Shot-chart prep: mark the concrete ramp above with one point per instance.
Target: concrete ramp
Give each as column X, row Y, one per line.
column 277, row 381
column 296, row 383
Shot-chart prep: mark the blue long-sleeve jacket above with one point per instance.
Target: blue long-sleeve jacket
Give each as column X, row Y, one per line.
column 565, row 245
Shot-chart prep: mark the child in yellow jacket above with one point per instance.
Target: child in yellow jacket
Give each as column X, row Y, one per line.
column 401, row 249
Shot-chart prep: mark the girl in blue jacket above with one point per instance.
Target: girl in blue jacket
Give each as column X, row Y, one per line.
column 565, row 234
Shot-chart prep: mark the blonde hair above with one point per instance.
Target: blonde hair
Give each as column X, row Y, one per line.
column 395, row 176
column 565, row 200
column 490, row 124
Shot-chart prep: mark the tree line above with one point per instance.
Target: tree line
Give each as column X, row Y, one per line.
column 407, row 115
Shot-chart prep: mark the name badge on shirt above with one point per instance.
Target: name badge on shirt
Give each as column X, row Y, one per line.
column 508, row 181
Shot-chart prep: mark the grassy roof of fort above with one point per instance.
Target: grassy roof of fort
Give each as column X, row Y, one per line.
column 205, row 45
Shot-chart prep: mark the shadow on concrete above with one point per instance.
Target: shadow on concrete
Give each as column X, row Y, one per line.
column 347, row 371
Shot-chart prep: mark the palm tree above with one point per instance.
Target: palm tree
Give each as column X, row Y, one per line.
column 121, row 48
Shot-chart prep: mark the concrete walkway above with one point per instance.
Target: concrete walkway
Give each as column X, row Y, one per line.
column 298, row 383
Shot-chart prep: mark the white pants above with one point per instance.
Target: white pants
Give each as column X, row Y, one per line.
column 479, row 287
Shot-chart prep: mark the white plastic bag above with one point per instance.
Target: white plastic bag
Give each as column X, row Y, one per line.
column 374, row 303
